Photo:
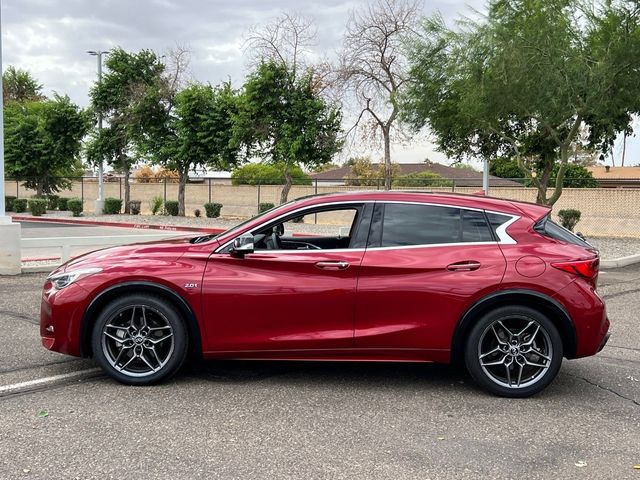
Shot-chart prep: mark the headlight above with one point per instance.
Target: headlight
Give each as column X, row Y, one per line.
column 64, row 279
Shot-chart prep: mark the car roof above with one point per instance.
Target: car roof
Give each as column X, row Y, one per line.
column 531, row 210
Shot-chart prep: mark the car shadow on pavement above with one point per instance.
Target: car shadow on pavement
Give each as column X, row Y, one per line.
column 352, row 373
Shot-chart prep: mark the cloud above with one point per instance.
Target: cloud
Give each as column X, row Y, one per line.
column 49, row 38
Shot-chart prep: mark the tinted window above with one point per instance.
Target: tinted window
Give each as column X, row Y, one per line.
column 474, row 227
column 551, row 229
column 406, row 224
column 419, row 225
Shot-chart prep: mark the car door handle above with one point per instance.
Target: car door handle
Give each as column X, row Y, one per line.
column 336, row 265
column 464, row 266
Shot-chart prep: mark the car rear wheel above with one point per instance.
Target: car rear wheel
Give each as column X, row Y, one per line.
column 139, row 339
column 514, row 351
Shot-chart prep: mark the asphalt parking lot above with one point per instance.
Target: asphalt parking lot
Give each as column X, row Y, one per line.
column 315, row 420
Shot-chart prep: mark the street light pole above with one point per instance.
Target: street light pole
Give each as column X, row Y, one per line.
column 485, row 177
column 10, row 253
column 2, row 205
column 100, row 200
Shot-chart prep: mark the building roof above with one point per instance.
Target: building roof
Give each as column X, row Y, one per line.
column 463, row 177
column 601, row 172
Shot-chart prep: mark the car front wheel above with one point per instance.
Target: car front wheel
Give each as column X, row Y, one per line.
column 514, row 351
column 139, row 339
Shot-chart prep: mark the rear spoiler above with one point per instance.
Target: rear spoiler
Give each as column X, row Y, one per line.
column 532, row 210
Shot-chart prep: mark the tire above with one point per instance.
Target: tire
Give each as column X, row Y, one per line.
column 139, row 339
column 513, row 352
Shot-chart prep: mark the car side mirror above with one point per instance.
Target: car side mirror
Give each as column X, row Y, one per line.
column 243, row 244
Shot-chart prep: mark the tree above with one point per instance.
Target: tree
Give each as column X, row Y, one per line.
column 267, row 174
column 19, row 86
column 282, row 120
column 575, row 176
column 118, row 97
column 524, row 81
column 194, row 129
column 373, row 66
column 365, row 173
column 286, row 41
column 421, row 179
column 43, row 142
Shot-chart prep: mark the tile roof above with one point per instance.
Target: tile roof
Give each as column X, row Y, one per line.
column 600, row 172
column 463, row 177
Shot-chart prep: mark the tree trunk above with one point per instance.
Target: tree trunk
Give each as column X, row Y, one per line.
column 543, row 182
column 387, row 158
column 127, row 188
column 624, row 148
column 182, row 184
column 564, row 159
column 288, row 180
column 40, row 188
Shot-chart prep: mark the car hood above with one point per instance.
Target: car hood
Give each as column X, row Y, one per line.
column 167, row 250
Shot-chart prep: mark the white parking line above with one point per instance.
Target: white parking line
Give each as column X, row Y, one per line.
column 48, row 380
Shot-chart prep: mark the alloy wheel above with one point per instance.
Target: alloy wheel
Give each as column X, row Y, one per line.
column 138, row 340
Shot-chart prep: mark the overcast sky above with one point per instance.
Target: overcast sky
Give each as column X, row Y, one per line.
column 49, row 38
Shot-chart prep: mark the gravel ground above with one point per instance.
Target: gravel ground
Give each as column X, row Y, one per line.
column 610, row 248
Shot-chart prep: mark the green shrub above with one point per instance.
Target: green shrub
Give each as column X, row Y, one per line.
column 213, row 209
column 38, row 206
column 197, row 213
column 20, row 205
column 112, row 205
column 263, row 207
column 75, row 205
column 171, row 207
column 421, row 179
column 267, row 174
column 155, row 205
column 569, row 217
column 8, row 203
column 62, row 204
column 52, row 202
column 134, row 207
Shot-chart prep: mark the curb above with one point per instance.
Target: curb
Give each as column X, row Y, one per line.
column 142, row 226
column 40, row 268
column 620, row 262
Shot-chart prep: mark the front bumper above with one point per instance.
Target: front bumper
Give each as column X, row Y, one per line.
column 604, row 341
column 61, row 317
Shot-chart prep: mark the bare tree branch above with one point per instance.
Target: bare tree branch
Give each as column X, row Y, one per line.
column 285, row 40
column 372, row 64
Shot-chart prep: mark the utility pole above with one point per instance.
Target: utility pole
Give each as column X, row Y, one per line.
column 10, row 253
column 485, row 177
column 99, row 206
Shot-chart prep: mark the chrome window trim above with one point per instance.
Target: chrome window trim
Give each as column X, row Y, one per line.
column 501, row 231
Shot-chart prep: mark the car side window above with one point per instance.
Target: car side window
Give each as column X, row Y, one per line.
column 474, row 227
column 317, row 229
column 410, row 224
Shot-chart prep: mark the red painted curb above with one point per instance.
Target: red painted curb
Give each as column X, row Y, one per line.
column 143, row 226
column 40, row 259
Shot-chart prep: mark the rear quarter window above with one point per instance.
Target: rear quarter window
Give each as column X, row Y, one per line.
column 551, row 229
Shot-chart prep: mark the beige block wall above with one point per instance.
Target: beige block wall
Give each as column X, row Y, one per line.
column 605, row 212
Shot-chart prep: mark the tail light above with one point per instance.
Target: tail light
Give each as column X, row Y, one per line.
column 584, row 268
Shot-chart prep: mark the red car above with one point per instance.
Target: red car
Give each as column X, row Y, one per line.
column 374, row 276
